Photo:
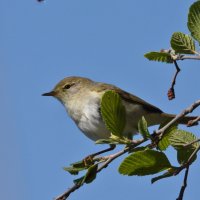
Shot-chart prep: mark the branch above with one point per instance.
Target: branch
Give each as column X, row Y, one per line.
column 171, row 93
column 187, row 57
column 108, row 159
column 185, row 166
column 188, row 110
column 180, row 197
column 68, row 192
column 193, row 122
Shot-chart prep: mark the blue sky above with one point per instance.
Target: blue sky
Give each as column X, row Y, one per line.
column 42, row 43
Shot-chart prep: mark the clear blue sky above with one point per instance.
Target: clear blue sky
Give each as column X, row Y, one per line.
column 41, row 43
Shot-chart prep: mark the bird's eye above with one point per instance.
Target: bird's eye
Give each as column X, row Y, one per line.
column 67, row 86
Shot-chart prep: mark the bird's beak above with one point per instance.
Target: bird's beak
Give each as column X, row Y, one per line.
column 52, row 93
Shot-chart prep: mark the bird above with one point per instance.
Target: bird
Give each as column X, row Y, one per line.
column 81, row 98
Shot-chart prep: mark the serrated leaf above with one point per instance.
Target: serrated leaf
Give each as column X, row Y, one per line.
column 159, row 56
column 113, row 112
column 164, row 142
column 91, row 174
column 182, row 43
column 180, row 138
column 143, row 128
column 194, row 20
column 143, row 163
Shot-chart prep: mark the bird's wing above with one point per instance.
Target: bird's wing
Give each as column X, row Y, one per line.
column 134, row 99
column 102, row 87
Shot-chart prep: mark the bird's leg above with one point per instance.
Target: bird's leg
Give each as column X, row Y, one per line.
column 112, row 146
column 89, row 159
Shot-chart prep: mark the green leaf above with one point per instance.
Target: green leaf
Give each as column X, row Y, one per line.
column 113, row 112
column 180, row 138
column 184, row 154
column 164, row 142
column 76, row 167
column 143, row 163
column 79, row 164
column 79, row 181
column 159, row 56
column 91, row 174
column 182, row 43
column 194, row 20
column 72, row 170
column 143, row 128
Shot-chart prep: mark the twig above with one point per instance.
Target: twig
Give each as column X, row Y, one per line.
column 116, row 155
column 68, row 192
column 192, row 156
column 186, row 57
column 191, row 143
column 179, row 116
column 193, row 122
column 175, row 56
column 108, row 159
column 171, row 92
column 180, row 197
column 185, row 166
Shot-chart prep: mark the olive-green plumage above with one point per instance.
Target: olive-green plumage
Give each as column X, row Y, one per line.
column 81, row 98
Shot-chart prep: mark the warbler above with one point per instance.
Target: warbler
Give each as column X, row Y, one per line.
column 82, row 97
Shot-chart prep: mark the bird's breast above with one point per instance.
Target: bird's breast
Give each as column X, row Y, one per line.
column 91, row 123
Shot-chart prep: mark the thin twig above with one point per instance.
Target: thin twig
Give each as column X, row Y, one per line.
column 192, row 156
column 171, row 92
column 186, row 166
column 193, row 122
column 108, row 159
column 191, row 143
column 125, row 150
column 177, row 117
column 68, row 192
column 186, row 57
column 180, row 197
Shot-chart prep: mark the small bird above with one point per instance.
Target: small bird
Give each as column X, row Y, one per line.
column 81, row 97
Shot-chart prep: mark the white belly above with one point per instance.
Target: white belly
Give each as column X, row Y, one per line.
column 92, row 125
